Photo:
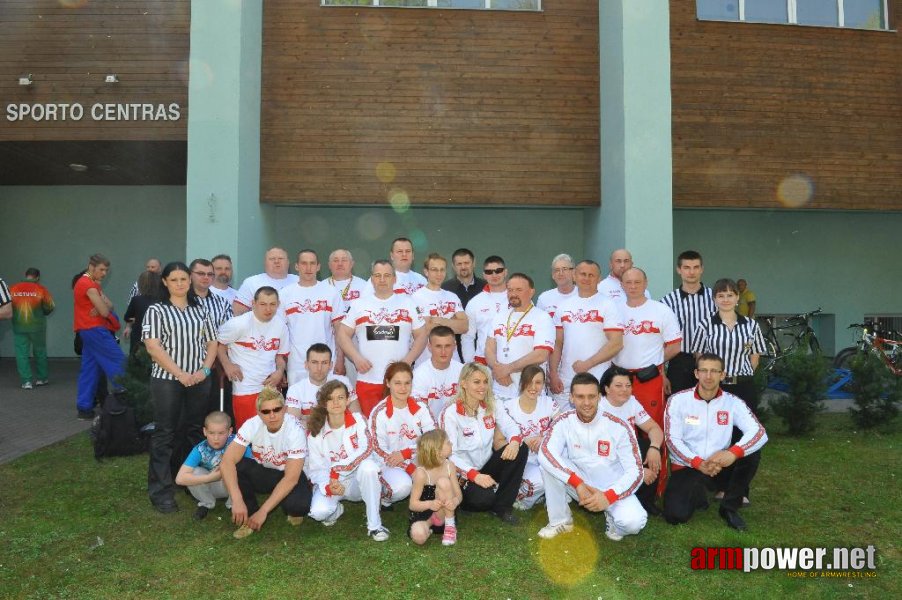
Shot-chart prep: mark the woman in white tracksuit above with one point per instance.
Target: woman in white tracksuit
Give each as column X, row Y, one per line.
column 338, row 462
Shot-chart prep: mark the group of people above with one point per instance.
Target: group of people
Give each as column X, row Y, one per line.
column 465, row 392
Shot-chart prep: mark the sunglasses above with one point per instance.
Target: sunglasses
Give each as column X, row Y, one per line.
column 276, row 410
column 202, row 274
column 497, row 271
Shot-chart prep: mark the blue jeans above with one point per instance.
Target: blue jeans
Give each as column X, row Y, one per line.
column 100, row 353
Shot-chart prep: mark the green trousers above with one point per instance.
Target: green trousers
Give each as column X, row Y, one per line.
column 25, row 344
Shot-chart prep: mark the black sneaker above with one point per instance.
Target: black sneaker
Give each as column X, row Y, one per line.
column 86, row 415
column 167, row 507
column 508, row 517
column 201, row 513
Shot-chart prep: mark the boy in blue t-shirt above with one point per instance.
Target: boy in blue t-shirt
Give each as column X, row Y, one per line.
column 200, row 473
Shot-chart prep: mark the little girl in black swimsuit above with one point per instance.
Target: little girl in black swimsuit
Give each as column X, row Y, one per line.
column 436, row 492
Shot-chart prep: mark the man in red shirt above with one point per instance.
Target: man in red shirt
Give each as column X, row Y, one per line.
column 31, row 302
column 93, row 317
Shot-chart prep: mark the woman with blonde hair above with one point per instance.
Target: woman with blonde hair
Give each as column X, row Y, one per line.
column 492, row 466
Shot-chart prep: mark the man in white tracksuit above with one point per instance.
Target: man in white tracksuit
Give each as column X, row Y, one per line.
column 592, row 457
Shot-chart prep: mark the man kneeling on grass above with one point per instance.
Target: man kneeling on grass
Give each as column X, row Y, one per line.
column 593, row 457
column 698, row 425
column 200, row 473
column 267, row 457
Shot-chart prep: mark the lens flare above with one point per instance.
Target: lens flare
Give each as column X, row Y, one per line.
column 314, row 230
column 399, row 200
column 795, row 191
column 370, row 226
column 570, row 557
column 201, row 72
column 385, row 172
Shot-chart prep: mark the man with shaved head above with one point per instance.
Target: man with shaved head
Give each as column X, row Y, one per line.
column 275, row 274
column 612, row 286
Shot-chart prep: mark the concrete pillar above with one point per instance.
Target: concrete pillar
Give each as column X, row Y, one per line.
column 223, row 190
column 636, row 162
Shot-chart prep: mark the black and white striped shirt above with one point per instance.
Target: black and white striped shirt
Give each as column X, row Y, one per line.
column 5, row 297
column 184, row 335
column 219, row 308
column 735, row 345
column 690, row 310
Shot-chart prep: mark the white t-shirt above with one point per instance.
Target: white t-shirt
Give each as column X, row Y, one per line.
column 612, row 288
column 302, row 395
column 227, row 294
column 584, row 322
column 349, row 289
column 310, row 313
column 249, row 287
column 435, row 303
column 481, row 312
column 631, row 411
column 513, row 422
column 253, row 346
column 516, row 335
column 273, row 449
column 550, row 300
column 405, row 283
column 384, row 330
column 646, row 329
column 436, row 388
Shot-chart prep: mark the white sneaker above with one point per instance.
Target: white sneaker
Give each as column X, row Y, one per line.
column 519, row 506
column 27, row 385
column 550, row 531
column 609, row 528
column 379, row 535
column 330, row 521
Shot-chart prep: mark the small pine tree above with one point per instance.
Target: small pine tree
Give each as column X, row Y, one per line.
column 877, row 391
column 806, row 376
column 136, row 381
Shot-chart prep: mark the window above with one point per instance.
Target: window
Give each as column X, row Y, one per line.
column 533, row 5
column 858, row 14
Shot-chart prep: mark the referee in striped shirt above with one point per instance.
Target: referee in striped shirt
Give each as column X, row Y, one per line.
column 220, row 311
column 736, row 338
column 6, row 299
column 692, row 303
column 180, row 338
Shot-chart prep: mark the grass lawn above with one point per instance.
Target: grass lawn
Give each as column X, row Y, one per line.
column 75, row 528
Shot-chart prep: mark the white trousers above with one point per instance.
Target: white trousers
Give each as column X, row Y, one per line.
column 362, row 484
column 628, row 515
column 206, row 494
column 396, row 484
column 532, row 488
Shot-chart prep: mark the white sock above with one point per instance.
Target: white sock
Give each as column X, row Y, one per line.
column 449, row 521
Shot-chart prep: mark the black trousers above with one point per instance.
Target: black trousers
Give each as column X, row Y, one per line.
column 254, row 478
column 681, row 372
column 746, row 389
column 178, row 414
column 687, row 488
column 646, row 491
column 507, row 473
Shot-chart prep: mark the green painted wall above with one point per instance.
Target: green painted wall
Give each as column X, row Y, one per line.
column 526, row 238
column 56, row 229
column 796, row 261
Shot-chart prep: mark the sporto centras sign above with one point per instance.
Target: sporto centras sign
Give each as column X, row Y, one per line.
column 134, row 111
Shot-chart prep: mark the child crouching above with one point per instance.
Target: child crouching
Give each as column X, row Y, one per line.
column 435, row 492
column 200, row 473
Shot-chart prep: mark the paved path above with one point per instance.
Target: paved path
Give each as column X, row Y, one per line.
column 51, row 407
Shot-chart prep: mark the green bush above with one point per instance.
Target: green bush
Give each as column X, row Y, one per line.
column 806, row 376
column 136, row 382
column 877, row 391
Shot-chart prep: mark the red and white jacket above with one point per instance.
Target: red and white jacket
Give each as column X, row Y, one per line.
column 471, row 437
column 695, row 429
column 602, row 453
column 397, row 430
column 336, row 453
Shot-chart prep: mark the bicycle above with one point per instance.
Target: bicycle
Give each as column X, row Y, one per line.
column 802, row 336
column 872, row 339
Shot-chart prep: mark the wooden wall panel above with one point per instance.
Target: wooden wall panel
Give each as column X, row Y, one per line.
column 816, row 109
column 468, row 107
column 69, row 45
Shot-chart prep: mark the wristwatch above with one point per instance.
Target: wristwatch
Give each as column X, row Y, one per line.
column 207, row 371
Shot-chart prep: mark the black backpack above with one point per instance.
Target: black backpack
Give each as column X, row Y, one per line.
column 115, row 430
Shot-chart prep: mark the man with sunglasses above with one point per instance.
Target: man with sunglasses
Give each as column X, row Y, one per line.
column 482, row 309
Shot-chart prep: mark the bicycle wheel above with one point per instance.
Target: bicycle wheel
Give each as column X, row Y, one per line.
column 814, row 346
column 843, row 359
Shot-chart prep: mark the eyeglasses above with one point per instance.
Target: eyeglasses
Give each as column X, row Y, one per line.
column 203, row 273
column 497, row 271
column 561, row 270
column 276, row 410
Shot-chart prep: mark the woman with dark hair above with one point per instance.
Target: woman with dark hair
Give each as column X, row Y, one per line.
column 396, row 424
column 181, row 340
column 149, row 289
column 617, row 399
column 492, row 466
column 93, row 320
column 338, row 461
column 525, row 420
